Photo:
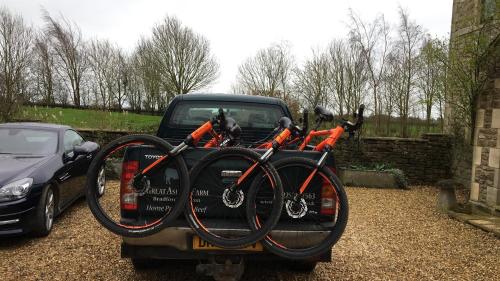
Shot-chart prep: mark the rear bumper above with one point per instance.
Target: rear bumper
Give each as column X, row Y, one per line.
column 176, row 243
column 170, row 253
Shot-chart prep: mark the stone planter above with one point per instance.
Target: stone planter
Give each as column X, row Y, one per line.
column 375, row 179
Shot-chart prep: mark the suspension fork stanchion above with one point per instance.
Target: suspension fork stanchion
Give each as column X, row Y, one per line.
column 263, row 159
column 325, row 146
column 321, row 162
column 277, row 142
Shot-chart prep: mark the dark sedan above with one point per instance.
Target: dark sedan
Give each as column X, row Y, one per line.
column 42, row 171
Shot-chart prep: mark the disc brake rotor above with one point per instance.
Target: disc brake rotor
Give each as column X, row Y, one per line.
column 233, row 199
column 296, row 209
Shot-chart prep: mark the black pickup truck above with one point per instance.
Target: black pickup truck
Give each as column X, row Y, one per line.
column 257, row 116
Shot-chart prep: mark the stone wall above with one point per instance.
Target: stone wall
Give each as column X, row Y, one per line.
column 461, row 162
column 424, row 160
column 485, row 188
column 468, row 16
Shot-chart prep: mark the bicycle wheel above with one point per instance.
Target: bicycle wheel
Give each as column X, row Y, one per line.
column 216, row 211
column 130, row 203
column 310, row 223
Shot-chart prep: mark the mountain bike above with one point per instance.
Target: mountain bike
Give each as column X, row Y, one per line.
column 218, row 202
column 162, row 176
column 327, row 215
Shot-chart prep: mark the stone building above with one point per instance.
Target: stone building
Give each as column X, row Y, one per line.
column 468, row 17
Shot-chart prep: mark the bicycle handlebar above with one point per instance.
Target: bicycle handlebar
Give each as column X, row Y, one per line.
column 351, row 127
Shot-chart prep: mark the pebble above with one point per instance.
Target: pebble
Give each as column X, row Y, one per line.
column 391, row 235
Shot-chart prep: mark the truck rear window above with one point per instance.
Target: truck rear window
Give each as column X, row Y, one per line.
column 246, row 115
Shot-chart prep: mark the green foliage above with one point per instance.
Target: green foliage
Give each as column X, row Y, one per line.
column 400, row 176
column 401, row 179
column 416, row 127
column 389, row 128
column 371, row 167
column 91, row 119
column 473, row 55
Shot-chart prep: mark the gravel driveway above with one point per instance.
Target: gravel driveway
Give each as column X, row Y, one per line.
column 392, row 234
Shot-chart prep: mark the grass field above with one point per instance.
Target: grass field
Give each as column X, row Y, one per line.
column 415, row 129
column 98, row 119
column 91, row 119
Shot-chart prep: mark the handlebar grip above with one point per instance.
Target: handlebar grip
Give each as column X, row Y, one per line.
column 305, row 122
column 221, row 118
column 360, row 111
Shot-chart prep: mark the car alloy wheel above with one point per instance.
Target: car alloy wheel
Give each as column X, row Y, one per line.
column 101, row 181
column 49, row 209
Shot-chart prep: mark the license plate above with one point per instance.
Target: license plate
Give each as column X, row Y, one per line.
column 201, row 245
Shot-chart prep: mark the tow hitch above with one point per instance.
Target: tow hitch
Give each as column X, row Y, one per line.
column 229, row 270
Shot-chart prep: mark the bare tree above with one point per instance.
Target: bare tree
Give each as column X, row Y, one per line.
column 123, row 78
column 149, row 75
column 338, row 56
column 69, row 49
column 99, row 57
column 408, row 43
column 393, row 87
column 110, row 74
column 373, row 40
column 311, row 81
column 183, row 58
column 267, row 73
column 347, row 78
column 431, row 77
column 43, row 69
column 135, row 90
column 15, row 54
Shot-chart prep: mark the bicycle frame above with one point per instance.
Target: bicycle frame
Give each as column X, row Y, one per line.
column 326, row 146
column 190, row 140
column 305, row 140
column 311, row 135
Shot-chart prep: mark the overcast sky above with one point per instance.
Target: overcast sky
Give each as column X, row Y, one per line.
column 236, row 29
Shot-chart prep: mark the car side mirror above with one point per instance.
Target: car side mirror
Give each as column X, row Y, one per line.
column 85, row 148
column 68, row 156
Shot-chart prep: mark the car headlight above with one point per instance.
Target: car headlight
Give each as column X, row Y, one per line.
column 16, row 189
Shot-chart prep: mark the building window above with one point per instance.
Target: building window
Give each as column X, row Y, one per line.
column 489, row 8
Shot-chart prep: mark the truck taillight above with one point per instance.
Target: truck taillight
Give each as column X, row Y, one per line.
column 328, row 198
column 128, row 197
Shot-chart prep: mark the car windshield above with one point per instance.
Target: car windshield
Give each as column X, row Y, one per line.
column 27, row 141
column 246, row 115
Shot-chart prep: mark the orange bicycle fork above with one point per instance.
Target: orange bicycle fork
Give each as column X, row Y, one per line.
column 325, row 146
column 276, row 143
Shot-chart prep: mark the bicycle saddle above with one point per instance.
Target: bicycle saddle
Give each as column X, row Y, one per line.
column 285, row 122
column 323, row 113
